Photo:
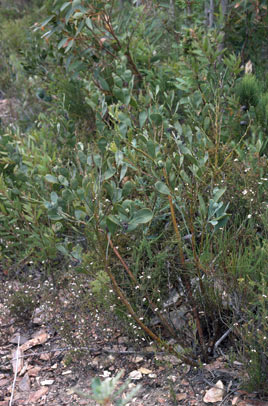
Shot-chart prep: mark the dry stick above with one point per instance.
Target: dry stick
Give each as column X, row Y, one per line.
column 16, row 372
column 147, row 330
column 185, row 278
column 224, row 336
column 154, row 307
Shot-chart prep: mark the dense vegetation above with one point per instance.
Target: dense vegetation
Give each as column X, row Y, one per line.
column 139, row 158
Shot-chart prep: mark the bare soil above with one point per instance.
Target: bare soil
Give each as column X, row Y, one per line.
column 39, row 366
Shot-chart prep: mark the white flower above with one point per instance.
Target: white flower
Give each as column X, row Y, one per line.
column 244, row 192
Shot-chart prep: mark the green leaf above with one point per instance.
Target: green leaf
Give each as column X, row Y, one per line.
column 102, row 144
column 123, row 127
column 217, row 193
column 54, row 197
column 178, row 127
column 112, row 223
column 66, row 4
column 108, row 174
column 142, row 216
column 62, row 42
column 69, row 46
column 62, row 249
column 44, row 23
column 79, row 214
column 127, row 188
column 151, row 148
column 95, row 385
column 51, row 179
column 63, row 180
column 89, row 23
column 97, row 160
column 123, row 172
column 156, row 118
column 142, row 118
column 185, row 177
column 206, row 123
column 119, row 158
column 162, row 188
column 117, row 81
column 103, row 83
column 202, row 206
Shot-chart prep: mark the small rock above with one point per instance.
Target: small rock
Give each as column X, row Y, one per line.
column 135, row 375
column 47, row 382
column 214, row 394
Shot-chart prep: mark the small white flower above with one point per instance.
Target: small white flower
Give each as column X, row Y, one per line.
column 249, row 216
column 244, row 192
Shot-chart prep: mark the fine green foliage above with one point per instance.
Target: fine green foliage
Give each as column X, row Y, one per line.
column 249, row 91
column 21, row 305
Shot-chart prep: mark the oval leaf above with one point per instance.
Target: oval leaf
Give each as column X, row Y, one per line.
column 142, row 216
column 51, row 179
column 162, row 188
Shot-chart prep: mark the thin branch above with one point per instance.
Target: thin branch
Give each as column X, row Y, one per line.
column 16, row 372
column 147, row 330
column 154, row 307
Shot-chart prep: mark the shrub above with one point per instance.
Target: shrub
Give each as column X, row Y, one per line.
column 106, row 392
column 249, row 91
